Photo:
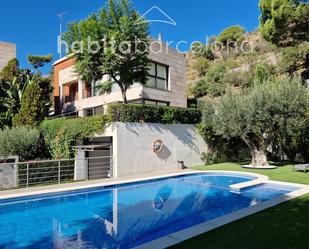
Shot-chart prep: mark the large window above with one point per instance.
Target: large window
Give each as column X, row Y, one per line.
column 98, row 110
column 158, row 76
column 149, row 102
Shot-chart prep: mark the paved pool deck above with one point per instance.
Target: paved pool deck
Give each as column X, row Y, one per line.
column 22, row 192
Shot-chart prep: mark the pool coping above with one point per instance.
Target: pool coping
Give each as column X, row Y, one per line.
column 180, row 236
column 33, row 191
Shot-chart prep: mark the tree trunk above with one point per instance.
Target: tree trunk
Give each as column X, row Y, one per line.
column 124, row 96
column 259, row 158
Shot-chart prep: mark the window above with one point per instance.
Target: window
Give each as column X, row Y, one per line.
column 158, row 76
column 155, row 102
column 70, row 92
column 149, row 102
column 99, row 110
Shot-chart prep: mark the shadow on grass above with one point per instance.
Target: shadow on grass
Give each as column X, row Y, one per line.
column 285, row 226
column 278, row 164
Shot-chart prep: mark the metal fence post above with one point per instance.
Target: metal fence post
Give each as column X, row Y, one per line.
column 27, row 184
column 87, row 176
column 59, row 172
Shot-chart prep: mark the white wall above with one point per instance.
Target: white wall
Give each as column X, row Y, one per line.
column 132, row 147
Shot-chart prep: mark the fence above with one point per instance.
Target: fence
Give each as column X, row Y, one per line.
column 29, row 174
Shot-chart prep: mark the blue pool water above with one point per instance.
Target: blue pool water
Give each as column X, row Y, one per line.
column 124, row 216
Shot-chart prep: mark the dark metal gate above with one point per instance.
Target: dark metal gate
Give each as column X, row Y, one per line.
column 99, row 163
column 100, row 159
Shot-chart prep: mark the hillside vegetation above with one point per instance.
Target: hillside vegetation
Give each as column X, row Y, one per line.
column 253, row 87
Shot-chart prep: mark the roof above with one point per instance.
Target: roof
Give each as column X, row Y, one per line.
column 91, row 147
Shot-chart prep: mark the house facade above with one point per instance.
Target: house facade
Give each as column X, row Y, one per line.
column 166, row 85
column 7, row 52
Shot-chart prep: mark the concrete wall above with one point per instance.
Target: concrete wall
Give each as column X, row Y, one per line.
column 8, row 172
column 132, row 147
column 8, row 177
column 7, row 52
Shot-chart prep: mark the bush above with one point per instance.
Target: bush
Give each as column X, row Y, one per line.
column 210, row 158
column 21, row 141
column 153, row 114
column 213, row 83
column 63, row 133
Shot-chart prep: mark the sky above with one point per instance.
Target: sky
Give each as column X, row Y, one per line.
column 34, row 25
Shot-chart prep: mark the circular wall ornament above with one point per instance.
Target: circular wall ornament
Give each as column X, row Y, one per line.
column 157, row 146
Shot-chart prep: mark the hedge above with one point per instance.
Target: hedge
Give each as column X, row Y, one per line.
column 153, row 114
column 62, row 133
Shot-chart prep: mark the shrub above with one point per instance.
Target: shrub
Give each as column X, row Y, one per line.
column 210, row 157
column 21, row 141
column 213, row 83
column 153, row 114
column 63, row 133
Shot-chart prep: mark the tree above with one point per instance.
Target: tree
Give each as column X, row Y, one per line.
column 122, row 36
column 284, row 22
column 13, row 83
column 38, row 61
column 10, row 71
column 231, row 35
column 265, row 118
column 293, row 59
column 35, row 103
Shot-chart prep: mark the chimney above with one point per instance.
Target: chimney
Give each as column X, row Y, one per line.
column 160, row 37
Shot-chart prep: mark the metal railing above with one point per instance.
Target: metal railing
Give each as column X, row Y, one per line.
column 48, row 172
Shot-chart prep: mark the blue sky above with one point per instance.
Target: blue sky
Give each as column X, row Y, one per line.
column 33, row 25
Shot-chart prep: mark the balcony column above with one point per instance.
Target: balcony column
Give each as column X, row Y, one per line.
column 80, row 89
column 92, row 88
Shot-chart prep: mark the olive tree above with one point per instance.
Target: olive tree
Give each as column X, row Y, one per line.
column 264, row 117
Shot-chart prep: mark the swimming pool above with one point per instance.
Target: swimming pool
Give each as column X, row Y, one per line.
column 127, row 215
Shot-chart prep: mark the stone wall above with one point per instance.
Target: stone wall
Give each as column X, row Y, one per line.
column 7, row 52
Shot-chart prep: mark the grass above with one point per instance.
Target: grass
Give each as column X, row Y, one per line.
column 285, row 226
column 282, row 173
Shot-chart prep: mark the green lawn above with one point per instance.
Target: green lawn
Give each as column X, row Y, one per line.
column 285, row 226
column 282, row 173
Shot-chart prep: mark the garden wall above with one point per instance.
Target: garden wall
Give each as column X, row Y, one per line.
column 133, row 147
